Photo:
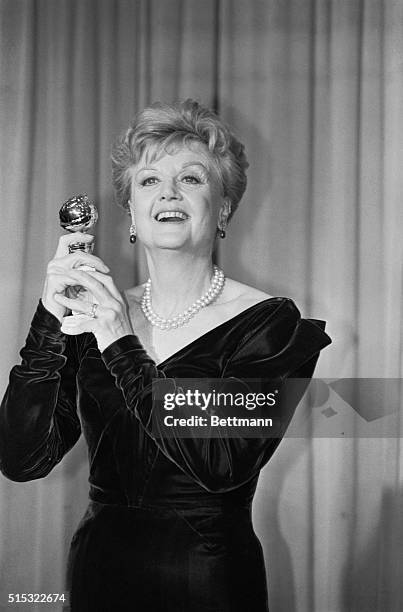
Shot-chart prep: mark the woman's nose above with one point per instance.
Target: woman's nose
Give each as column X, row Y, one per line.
column 169, row 191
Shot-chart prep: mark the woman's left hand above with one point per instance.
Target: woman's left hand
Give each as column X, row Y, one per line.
column 107, row 318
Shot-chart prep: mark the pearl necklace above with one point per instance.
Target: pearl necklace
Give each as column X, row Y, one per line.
column 217, row 285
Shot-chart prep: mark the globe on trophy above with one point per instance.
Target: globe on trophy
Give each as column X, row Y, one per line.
column 78, row 214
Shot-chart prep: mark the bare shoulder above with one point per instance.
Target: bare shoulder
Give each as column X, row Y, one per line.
column 234, row 291
column 237, row 297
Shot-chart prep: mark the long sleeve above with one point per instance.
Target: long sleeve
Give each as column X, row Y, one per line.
column 38, row 416
column 283, row 345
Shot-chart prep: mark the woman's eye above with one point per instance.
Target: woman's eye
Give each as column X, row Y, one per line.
column 191, row 179
column 150, row 180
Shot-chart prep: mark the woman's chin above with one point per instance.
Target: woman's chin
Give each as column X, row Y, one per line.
column 178, row 236
column 169, row 241
column 168, row 236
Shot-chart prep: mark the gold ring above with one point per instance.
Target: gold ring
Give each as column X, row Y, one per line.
column 92, row 314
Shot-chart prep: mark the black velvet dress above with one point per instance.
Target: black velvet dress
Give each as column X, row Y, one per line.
column 168, row 527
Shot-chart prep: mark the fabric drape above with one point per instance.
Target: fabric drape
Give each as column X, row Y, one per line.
column 315, row 91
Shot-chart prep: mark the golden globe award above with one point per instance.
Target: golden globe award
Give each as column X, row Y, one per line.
column 78, row 214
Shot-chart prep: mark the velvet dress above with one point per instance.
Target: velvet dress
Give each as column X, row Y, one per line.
column 168, row 527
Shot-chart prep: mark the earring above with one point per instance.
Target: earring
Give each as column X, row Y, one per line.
column 221, row 232
column 132, row 232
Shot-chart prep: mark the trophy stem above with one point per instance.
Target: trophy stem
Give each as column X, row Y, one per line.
column 80, row 246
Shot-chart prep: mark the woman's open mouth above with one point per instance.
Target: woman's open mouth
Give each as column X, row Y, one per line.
column 171, row 216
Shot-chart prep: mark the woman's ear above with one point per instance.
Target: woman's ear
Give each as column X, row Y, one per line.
column 224, row 213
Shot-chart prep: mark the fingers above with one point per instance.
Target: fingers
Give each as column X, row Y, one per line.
column 79, row 258
column 58, row 280
column 108, row 282
column 76, row 304
column 99, row 289
column 106, row 317
column 64, row 265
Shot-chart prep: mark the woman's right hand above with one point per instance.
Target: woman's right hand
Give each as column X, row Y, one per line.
column 58, row 278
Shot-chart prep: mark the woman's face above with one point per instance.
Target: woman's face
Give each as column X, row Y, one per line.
column 177, row 200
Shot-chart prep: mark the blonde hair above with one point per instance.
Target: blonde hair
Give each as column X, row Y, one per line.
column 161, row 128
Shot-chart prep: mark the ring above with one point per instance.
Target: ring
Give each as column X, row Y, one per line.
column 92, row 314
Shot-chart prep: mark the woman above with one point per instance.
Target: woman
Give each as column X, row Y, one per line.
column 168, row 527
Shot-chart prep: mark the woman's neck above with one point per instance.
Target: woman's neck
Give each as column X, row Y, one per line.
column 177, row 280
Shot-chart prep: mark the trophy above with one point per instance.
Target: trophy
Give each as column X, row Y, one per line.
column 78, row 214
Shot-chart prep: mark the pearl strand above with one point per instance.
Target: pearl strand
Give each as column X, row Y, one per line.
column 217, row 285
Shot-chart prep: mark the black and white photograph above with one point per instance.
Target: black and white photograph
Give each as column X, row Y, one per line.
column 201, row 369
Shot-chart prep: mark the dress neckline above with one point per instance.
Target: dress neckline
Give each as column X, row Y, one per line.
column 214, row 329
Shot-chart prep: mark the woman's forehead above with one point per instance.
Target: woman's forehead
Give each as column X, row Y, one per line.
column 192, row 149
column 190, row 152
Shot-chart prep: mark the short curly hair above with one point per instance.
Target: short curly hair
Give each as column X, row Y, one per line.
column 161, row 127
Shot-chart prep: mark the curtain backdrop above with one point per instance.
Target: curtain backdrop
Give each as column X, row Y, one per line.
column 315, row 90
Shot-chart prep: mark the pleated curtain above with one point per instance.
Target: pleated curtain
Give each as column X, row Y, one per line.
column 314, row 88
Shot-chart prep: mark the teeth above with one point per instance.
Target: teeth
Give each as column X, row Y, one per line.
column 170, row 214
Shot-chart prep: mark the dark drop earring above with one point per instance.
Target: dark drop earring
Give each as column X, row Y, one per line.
column 132, row 232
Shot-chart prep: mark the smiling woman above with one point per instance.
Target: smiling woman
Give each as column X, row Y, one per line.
column 178, row 197
column 168, row 526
